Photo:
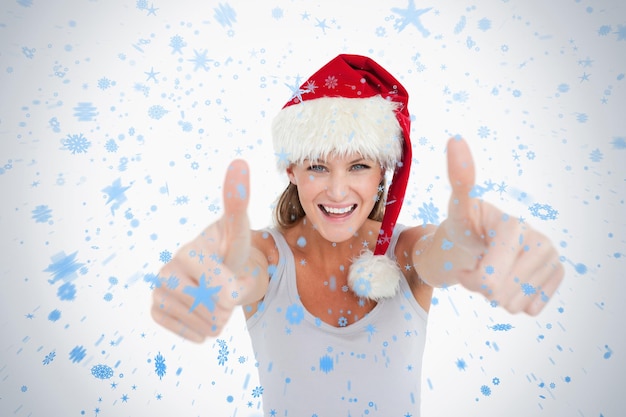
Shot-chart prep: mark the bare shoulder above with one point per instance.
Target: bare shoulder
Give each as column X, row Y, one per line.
column 410, row 236
column 264, row 244
column 408, row 242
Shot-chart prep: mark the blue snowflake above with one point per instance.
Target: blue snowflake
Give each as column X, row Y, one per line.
column 428, row 213
column 67, row 292
column 85, row 112
column 222, row 356
column 410, row 15
column 63, row 267
column 596, row 155
column 102, row 371
column 49, row 358
column 104, row 83
column 342, row 322
column 177, row 43
column 225, row 15
column 326, row 364
column 619, row 142
column 604, row 30
column 42, row 214
column 165, row 256
column 501, row 327
column 483, row 132
column 485, row 390
column 461, row 96
column 461, row 364
column 257, row 392
column 484, row 24
column 458, row 28
column 156, row 112
column 295, row 313
column 200, row 60
column 78, row 354
column 54, row 315
column 528, row 289
column 76, row 143
column 159, row 365
column 111, row 145
column 543, row 211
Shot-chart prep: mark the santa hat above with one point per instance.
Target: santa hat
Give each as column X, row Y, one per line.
column 352, row 104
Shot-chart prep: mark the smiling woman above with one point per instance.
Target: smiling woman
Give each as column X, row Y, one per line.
column 118, row 124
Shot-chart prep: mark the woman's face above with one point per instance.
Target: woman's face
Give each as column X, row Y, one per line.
column 337, row 194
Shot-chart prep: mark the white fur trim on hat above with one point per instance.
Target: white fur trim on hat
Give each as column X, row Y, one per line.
column 319, row 128
column 374, row 276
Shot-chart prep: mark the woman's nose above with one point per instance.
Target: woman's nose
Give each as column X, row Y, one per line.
column 337, row 187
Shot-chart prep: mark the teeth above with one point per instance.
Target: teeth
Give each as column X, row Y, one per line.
column 336, row 210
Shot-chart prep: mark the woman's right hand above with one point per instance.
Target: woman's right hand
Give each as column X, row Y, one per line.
column 213, row 270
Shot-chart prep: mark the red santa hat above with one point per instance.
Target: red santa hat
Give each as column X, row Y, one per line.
column 353, row 105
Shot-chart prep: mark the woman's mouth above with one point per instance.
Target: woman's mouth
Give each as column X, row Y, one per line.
column 337, row 211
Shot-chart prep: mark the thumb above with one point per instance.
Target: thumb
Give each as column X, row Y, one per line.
column 461, row 173
column 235, row 219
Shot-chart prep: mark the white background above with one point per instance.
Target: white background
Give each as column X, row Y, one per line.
column 545, row 78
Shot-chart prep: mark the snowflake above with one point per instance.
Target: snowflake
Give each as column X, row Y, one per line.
column 461, row 96
column 277, row 13
column 177, row 43
column 530, row 155
column 604, row 30
column 295, row 313
column 78, row 354
column 41, row 214
column 222, row 356
column 76, row 144
column 596, row 155
column 362, row 287
column 102, row 371
column 225, row 15
column 180, row 200
column 142, row 4
column 484, row 24
column 485, row 390
column 343, row 322
column 330, row 82
column 503, row 327
column 49, row 358
column 543, row 211
column 104, row 83
column 165, row 256
column 428, row 213
column 326, row 364
column 495, row 381
column 159, row 365
column 54, row 315
column 67, row 292
column 200, row 60
column 85, row 112
column 619, row 142
column 111, row 146
column 483, row 132
column 461, row 364
column 257, row 392
column 528, row 289
column 381, row 31
column 156, row 112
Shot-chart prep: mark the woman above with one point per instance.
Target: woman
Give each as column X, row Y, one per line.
column 336, row 294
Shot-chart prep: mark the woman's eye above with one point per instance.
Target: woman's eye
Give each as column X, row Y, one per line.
column 317, row 168
column 358, row 167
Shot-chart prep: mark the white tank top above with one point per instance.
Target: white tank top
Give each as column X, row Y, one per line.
column 308, row 368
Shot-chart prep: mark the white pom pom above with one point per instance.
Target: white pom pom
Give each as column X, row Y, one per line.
column 374, row 276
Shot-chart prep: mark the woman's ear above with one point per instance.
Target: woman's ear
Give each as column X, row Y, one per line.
column 291, row 175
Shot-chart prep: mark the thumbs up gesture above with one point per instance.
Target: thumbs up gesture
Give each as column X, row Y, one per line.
column 486, row 250
column 216, row 271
